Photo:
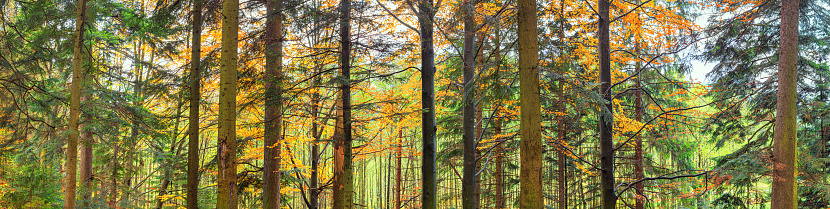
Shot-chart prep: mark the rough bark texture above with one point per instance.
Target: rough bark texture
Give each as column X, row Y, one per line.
column 606, row 143
column 429, row 194
column 530, row 175
column 784, row 189
column 343, row 177
column 193, row 118
column 273, row 104
column 74, row 108
column 468, row 180
column 226, row 197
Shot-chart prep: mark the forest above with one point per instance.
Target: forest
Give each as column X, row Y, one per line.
column 307, row 104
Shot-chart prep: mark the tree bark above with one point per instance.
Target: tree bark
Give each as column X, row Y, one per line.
column 530, row 175
column 639, row 202
column 562, row 201
column 74, row 107
column 784, row 185
column 314, row 190
column 193, row 118
column 343, row 178
column 226, row 197
column 398, row 188
column 468, row 181
column 499, row 172
column 429, row 194
column 608, row 198
column 86, row 150
column 273, row 104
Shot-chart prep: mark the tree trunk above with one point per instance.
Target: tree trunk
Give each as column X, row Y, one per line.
column 86, row 151
column 784, row 187
column 193, row 118
column 562, row 201
column 468, row 181
column 226, row 197
column 499, row 172
column 638, row 144
column 273, row 105
column 398, row 188
column 314, row 190
column 75, row 107
column 429, row 192
column 343, row 174
column 608, row 198
column 530, row 175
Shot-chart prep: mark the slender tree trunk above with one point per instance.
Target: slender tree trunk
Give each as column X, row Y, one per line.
column 468, row 181
column 638, row 145
column 608, row 198
column 86, row 151
column 499, row 172
column 74, row 107
column 784, row 185
column 343, row 178
column 314, row 190
column 429, row 193
column 193, row 118
column 273, row 104
column 226, row 197
column 337, row 153
column 497, row 126
column 562, row 201
column 530, row 175
column 478, row 117
column 398, row 188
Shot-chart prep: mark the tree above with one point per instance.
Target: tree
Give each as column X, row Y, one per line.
column 468, row 184
column 343, row 185
column 193, row 118
column 606, row 119
column 75, row 107
column 226, row 197
column 273, row 104
column 426, row 17
column 531, row 120
column 784, row 185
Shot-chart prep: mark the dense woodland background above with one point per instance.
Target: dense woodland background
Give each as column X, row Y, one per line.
column 414, row 104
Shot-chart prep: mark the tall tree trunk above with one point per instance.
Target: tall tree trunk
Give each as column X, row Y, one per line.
column 497, row 126
column 314, row 190
column 74, row 107
column 606, row 143
column 398, row 189
column 226, row 197
column 429, row 193
column 784, row 187
column 530, row 175
column 499, row 172
column 273, row 104
column 337, row 153
column 193, row 118
column 561, row 164
column 86, row 151
column 638, row 144
column 343, row 178
column 468, row 181
column 478, row 116
column 562, row 201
